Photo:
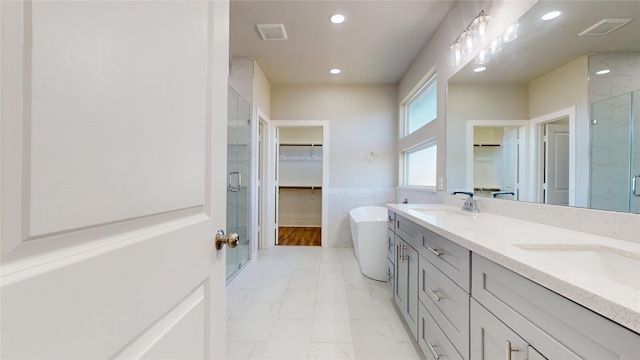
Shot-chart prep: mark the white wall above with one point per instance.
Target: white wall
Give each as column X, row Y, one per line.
column 362, row 120
column 565, row 87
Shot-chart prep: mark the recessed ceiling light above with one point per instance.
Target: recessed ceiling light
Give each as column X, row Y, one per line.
column 335, row 71
column 337, row 19
column 603, row 72
column 551, row 15
column 480, row 69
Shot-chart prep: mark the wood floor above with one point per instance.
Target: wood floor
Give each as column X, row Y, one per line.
column 300, row 236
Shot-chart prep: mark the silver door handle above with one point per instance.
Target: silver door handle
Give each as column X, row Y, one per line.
column 235, row 188
column 435, row 296
column 509, row 350
column 221, row 239
column 435, row 251
column 634, row 185
column 433, row 351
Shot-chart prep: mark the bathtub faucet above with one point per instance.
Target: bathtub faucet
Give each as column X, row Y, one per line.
column 470, row 203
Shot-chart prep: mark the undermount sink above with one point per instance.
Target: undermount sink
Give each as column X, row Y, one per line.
column 619, row 266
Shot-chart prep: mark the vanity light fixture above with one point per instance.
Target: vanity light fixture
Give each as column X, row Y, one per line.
column 337, row 19
column 480, row 69
column 473, row 33
column 603, row 72
column 551, row 15
column 335, row 71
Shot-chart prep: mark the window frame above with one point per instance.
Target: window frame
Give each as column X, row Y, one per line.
column 406, row 168
column 430, row 83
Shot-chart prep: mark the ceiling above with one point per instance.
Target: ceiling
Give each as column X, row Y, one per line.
column 376, row 43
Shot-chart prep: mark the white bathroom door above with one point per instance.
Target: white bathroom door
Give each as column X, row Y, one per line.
column 557, row 164
column 113, row 179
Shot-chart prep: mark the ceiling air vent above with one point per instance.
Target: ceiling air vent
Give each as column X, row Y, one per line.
column 272, row 31
column 604, row 27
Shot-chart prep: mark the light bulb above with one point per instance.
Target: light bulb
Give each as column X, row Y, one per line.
column 456, row 53
column 496, row 46
column 481, row 26
column 511, row 33
column 469, row 40
column 482, row 57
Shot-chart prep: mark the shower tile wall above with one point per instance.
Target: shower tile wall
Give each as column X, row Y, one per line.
column 342, row 200
column 610, row 99
column 623, row 78
column 610, row 154
column 241, row 77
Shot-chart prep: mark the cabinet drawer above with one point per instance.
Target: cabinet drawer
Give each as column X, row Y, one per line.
column 391, row 245
column 391, row 220
column 407, row 230
column 491, row 339
column 432, row 341
column 447, row 303
column 555, row 326
column 452, row 259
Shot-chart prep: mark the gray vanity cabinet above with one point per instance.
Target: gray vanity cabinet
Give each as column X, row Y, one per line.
column 460, row 305
column 433, row 342
column 491, row 339
column 556, row 327
column 447, row 303
column 406, row 288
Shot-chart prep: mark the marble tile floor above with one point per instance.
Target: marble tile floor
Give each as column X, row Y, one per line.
column 312, row 303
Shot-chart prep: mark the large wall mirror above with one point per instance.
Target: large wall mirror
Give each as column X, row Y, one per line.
column 551, row 112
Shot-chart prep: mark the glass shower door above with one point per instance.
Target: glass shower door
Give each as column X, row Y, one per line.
column 615, row 154
column 238, row 165
column 634, row 202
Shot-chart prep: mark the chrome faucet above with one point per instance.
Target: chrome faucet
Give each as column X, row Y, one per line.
column 470, row 203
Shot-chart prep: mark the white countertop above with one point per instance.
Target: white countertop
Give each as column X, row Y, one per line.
column 504, row 240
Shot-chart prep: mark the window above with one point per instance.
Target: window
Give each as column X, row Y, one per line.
column 421, row 109
column 420, row 166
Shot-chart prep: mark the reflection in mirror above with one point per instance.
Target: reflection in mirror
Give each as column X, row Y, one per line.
column 555, row 116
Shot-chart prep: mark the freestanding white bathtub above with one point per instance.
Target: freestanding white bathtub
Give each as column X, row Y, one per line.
column 369, row 235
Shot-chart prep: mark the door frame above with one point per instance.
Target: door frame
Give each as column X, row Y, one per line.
column 537, row 156
column 522, row 125
column 268, row 206
column 262, row 149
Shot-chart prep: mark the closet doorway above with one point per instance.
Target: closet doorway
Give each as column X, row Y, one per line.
column 300, row 196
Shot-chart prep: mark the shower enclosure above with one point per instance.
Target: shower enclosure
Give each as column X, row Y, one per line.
column 238, row 165
column 615, row 153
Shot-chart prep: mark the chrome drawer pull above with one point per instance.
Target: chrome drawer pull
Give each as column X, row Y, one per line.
column 435, row 296
column 435, row 251
column 433, row 351
column 509, row 350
